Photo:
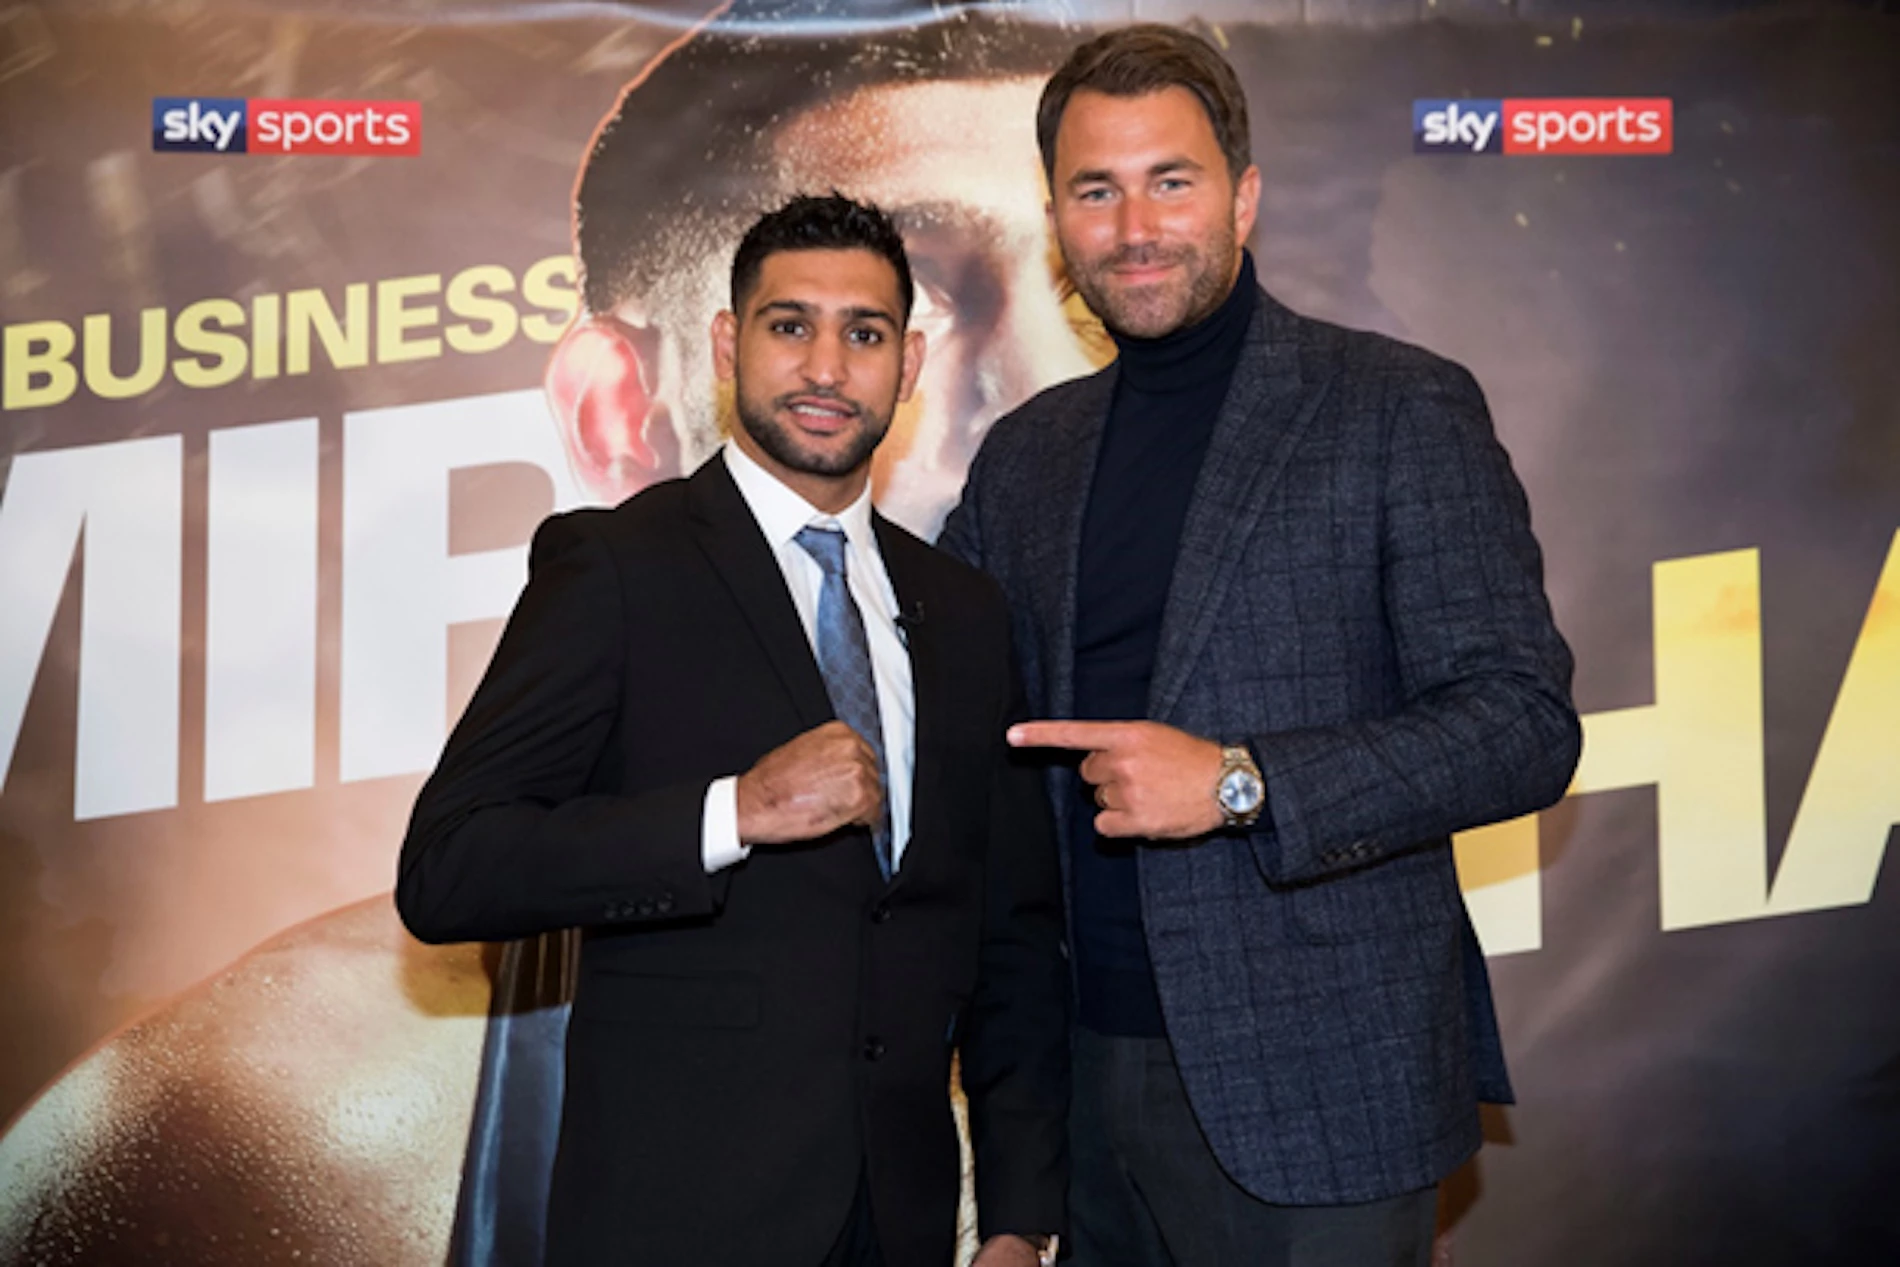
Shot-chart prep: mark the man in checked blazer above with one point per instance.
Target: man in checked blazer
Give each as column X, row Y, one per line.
column 1274, row 582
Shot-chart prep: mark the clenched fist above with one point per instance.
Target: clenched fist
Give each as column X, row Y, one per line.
column 824, row 779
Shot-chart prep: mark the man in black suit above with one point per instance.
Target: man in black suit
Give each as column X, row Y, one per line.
column 805, row 865
column 1275, row 582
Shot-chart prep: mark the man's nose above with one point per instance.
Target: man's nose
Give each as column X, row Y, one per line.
column 1135, row 219
column 825, row 360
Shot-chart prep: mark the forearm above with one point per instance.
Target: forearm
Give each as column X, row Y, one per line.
column 1341, row 797
column 500, row 870
column 1484, row 728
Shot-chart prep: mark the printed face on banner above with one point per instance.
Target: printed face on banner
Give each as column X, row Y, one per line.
column 954, row 164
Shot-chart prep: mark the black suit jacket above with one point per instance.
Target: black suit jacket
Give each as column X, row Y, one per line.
column 1358, row 596
column 743, row 1044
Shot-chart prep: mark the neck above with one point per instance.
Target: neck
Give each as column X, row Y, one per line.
column 1188, row 355
column 827, row 494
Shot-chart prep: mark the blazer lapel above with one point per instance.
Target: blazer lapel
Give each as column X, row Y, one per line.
column 1268, row 407
column 902, row 562
column 728, row 534
column 1054, row 556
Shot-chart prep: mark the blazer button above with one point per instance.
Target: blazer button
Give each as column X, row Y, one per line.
column 643, row 907
column 881, row 913
column 665, row 904
column 874, row 1049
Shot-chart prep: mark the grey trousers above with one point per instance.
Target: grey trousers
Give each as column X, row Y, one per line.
column 1147, row 1192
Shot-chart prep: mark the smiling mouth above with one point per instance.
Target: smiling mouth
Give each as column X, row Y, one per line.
column 821, row 415
column 1142, row 272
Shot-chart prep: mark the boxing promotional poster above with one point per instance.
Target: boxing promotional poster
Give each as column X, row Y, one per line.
column 301, row 311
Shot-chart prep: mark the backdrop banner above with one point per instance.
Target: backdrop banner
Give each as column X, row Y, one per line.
column 294, row 297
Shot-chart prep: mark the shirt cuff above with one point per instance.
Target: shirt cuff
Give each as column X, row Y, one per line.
column 719, row 845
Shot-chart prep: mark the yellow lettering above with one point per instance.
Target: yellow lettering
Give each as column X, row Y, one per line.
column 229, row 349
column 100, row 377
column 1700, row 743
column 1852, row 799
column 267, row 328
column 394, row 318
column 464, row 300
column 549, row 285
column 39, row 350
column 346, row 344
column 1497, row 869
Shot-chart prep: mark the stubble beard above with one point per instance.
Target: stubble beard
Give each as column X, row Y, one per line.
column 760, row 420
column 1149, row 312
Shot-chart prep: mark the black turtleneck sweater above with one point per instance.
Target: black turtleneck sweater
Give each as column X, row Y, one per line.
column 1168, row 392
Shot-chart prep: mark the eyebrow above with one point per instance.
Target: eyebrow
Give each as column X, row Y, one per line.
column 801, row 309
column 940, row 214
column 1101, row 175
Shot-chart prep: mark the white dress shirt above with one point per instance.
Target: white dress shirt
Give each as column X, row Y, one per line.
column 781, row 513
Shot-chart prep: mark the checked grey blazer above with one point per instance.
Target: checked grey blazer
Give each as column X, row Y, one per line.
column 1358, row 596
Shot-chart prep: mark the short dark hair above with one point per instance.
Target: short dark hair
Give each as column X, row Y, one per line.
column 829, row 222
column 1137, row 60
column 684, row 162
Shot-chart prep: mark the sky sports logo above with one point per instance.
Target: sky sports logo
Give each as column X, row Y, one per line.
column 234, row 125
column 1544, row 125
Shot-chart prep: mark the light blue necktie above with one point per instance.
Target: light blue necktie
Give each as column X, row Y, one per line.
column 844, row 658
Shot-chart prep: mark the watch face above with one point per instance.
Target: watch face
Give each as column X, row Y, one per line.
column 1240, row 792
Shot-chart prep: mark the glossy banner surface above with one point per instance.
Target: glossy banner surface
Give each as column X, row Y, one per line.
column 281, row 287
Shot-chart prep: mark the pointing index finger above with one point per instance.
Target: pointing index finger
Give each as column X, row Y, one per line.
column 1078, row 736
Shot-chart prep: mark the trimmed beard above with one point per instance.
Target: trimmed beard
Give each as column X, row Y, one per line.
column 762, row 424
column 1136, row 315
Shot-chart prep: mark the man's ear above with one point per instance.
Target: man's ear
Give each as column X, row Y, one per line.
column 1246, row 203
column 725, row 346
column 600, row 384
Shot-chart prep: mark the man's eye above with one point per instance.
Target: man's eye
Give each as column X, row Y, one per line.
column 788, row 327
column 1173, row 184
column 1096, row 195
column 865, row 336
column 932, row 311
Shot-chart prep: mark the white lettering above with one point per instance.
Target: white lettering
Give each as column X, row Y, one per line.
column 127, row 501
column 261, row 610
column 401, row 587
column 1483, row 123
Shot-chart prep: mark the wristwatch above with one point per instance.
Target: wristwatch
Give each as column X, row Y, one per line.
column 1239, row 790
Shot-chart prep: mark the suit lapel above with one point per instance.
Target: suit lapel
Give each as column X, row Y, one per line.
column 1268, row 406
column 1055, row 556
column 723, row 526
column 905, row 563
